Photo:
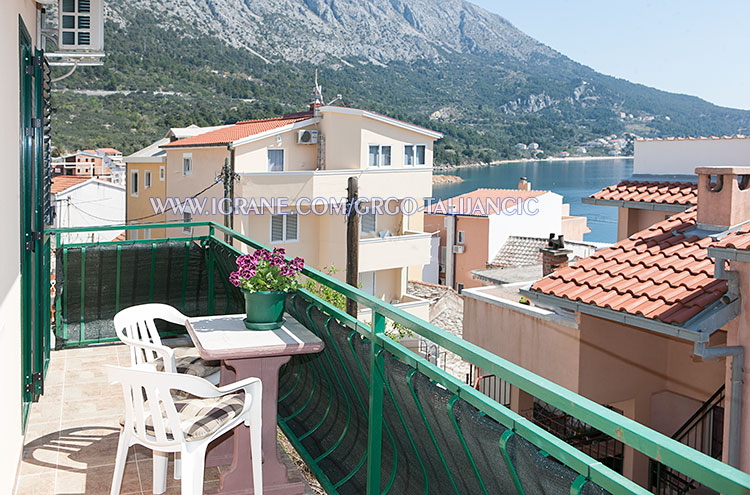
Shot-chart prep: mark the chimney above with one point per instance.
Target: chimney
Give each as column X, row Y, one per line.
column 723, row 196
column 555, row 255
column 314, row 105
column 524, row 185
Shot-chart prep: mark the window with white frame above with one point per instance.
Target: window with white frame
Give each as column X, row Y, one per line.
column 161, row 173
column 134, row 183
column 461, row 236
column 415, row 154
column 187, row 163
column 187, row 217
column 368, row 223
column 147, row 179
column 284, row 227
column 379, row 156
column 275, row 160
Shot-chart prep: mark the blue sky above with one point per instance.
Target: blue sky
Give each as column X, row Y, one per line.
column 690, row 46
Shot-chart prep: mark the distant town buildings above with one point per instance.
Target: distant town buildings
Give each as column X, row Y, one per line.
column 474, row 226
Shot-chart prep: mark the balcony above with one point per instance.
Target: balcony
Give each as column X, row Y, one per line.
column 295, row 185
column 394, row 251
column 367, row 415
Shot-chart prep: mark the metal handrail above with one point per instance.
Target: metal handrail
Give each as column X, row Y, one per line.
column 706, row 470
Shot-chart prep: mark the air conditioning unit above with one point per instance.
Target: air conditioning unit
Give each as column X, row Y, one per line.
column 458, row 249
column 80, row 26
column 307, row 136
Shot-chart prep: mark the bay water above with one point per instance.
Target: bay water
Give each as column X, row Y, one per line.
column 572, row 179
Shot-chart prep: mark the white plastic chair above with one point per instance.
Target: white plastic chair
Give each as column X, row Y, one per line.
column 152, row 420
column 135, row 327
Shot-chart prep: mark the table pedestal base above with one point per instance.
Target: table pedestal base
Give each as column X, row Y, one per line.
column 235, row 447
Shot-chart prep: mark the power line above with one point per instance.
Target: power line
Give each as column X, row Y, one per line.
column 162, row 213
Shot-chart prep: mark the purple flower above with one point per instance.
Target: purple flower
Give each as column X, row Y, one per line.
column 234, row 279
column 281, row 251
column 247, row 273
column 277, row 261
column 298, row 263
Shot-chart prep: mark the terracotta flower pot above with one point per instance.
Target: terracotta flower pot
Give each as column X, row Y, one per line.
column 265, row 309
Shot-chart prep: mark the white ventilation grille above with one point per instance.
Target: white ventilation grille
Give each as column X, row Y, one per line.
column 81, row 25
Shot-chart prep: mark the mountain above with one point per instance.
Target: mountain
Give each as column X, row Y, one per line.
column 446, row 64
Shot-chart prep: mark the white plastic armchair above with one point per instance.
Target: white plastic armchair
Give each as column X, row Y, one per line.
column 135, row 327
column 154, row 419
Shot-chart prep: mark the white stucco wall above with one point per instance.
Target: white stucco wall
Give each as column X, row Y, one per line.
column 10, row 249
column 91, row 203
column 682, row 156
column 541, row 224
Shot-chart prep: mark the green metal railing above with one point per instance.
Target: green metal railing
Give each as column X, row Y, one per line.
column 372, row 403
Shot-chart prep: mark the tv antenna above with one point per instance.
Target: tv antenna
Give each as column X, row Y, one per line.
column 318, row 93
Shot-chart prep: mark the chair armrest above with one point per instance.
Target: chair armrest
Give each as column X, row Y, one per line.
column 242, row 384
column 164, row 352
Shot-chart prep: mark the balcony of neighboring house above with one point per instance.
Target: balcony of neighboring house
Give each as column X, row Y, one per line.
column 304, row 187
column 394, row 251
column 365, row 414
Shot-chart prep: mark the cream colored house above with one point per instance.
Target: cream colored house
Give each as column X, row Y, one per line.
column 145, row 172
column 300, row 164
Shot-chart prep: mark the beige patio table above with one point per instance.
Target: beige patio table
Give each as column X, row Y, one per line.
column 244, row 353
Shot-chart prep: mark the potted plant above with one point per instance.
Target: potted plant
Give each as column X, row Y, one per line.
column 266, row 278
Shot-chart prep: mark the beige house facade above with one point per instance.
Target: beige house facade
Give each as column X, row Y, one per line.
column 291, row 176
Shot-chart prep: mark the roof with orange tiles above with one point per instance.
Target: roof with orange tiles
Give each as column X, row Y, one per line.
column 483, row 202
column 662, row 273
column 110, row 151
column 678, row 193
column 121, row 237
column 739, row 239
column 63, row 182
column 240, row 130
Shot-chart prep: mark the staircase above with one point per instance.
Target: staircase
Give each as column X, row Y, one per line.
column 703, row 432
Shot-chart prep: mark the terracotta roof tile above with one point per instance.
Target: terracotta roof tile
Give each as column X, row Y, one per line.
column 240, row 130
column 661, row 273
column 63, row 182
column 679, row 193
column 739, row 239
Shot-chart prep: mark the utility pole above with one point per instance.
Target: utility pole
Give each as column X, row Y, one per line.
column 352, row 242
column 227, row 176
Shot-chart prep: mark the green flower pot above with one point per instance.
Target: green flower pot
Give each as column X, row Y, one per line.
column 265, row 309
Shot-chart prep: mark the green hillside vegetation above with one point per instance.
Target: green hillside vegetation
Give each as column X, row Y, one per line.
column 173, row 81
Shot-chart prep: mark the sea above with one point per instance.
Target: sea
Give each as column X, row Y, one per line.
column 572, row 179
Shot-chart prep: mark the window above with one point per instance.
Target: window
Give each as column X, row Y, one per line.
column 134, row 183
column 368, row 223
column 187, row 163
column 461, row 236
column 442, row 255
column 147, row 179
column 367, row 282
column 284, row 228
column 161, row 173
column 379, row 156
column 187, row 217
column 275, row 160
column 414, row 154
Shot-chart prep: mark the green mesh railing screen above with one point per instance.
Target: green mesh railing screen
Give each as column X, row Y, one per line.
column 433, row 441
column 94, row 282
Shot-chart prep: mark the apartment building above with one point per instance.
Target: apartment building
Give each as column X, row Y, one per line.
column 305, row 160
column 147, row 179
column 473, row 227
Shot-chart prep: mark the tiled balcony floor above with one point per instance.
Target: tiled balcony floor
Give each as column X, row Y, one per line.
column 71, row 438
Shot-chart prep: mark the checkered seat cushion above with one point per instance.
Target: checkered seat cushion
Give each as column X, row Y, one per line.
column 190, row 363
column 200, row 418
